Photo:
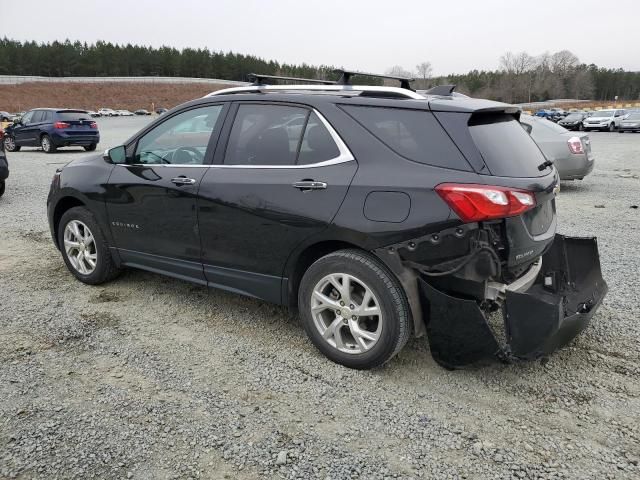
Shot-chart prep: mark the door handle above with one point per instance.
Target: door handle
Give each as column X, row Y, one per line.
column 310, row 185
column 183, row 181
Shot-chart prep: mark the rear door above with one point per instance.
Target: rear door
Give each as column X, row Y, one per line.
column 151, row 200
column 279, row 179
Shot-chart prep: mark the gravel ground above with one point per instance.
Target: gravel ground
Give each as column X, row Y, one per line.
column 149, row 377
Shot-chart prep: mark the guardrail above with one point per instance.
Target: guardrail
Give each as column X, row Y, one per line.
column 18, row 79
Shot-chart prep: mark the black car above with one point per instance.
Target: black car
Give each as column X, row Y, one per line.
column 160, row 111
column 573, row 121
column 142, row 111
column 384, row 213
column 4, row 164
column 52, row 128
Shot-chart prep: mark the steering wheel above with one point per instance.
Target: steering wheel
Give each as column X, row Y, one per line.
column 194, row 155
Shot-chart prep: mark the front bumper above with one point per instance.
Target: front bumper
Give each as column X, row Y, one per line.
column 565, row 295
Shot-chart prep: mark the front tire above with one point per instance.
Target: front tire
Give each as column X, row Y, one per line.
column 2, row 187
column 10, row 144
column 84, row 248
column 612, row 127
column 47, row 145
column 353, row 309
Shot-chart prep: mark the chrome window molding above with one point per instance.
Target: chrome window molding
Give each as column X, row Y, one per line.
column 344, row 156
column 402, row 92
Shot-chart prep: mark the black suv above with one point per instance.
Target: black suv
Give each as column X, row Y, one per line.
column 52, row 128
column 377, row 211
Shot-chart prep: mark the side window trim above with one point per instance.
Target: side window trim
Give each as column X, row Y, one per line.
column 211, row 146
column 344, row 156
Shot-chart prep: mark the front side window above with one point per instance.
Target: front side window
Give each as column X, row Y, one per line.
column 27, row 117
column 181, row 140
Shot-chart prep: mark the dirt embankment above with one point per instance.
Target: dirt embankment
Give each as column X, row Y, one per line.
column 92, row 96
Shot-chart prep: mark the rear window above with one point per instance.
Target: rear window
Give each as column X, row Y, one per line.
column 413, row 134
column 505, row 146
column 72, row 116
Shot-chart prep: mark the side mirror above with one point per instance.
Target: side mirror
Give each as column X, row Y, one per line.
column 116, row 155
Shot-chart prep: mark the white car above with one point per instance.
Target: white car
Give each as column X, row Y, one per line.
column 604, row 120
column 107, row 112
column 124, row 113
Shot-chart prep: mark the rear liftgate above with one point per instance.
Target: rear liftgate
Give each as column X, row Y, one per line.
column 564, row 296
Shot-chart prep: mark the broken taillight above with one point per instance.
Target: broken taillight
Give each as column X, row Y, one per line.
column 475, row 203
column 575, row 145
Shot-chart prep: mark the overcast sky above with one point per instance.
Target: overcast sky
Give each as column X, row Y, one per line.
column 373, row 35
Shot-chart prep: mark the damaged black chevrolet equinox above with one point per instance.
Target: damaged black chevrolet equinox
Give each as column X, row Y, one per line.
column 377, row 212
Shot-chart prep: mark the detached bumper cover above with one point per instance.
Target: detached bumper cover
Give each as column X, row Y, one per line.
column 565, row 295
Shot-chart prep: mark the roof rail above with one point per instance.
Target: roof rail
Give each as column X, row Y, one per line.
column 443, row 90
column 337, row 89
column 345, row 77
column 257, row 79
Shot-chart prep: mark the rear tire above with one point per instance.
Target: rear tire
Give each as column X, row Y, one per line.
column 90, row 148
column 2, row 187
column 10, row 144
column 343, row 332
column 47, row 145
column 85, row 252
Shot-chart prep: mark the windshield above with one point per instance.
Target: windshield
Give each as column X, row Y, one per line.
column 603, row 113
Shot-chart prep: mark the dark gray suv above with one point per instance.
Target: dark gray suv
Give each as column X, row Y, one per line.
column 377, row 212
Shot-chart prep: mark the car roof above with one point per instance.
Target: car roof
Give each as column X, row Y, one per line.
column 355, row 94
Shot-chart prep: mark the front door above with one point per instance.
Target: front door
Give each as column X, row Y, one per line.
column 23, row 132
column 281, row 179
column 151, row 200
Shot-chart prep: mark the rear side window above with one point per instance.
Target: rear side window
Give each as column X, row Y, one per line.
column 505, row 146
column 72, row 116
column 48, row 117
column 265, row 135
column 413, row 134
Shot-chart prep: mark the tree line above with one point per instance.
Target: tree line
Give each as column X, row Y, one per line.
column 520, row 78
column 523, row 78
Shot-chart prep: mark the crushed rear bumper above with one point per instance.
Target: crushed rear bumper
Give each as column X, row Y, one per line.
column 565, row 295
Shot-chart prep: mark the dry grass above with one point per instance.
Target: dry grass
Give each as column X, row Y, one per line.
column 92, row 96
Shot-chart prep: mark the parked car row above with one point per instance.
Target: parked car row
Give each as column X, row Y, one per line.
column 108, row 112
column 604, row 120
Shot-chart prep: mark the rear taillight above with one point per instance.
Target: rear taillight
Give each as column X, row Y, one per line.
column 475, row 203
column 61, row 125
column 93, row 125
column 575, row 145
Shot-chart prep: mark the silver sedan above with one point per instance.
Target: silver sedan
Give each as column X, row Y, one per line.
column 570, row 152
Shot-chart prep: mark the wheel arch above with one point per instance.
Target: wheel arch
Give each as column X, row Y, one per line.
column 301, row 261
column 64, row 204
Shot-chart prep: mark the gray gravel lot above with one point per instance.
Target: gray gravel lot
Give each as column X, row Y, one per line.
column 150, row 377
